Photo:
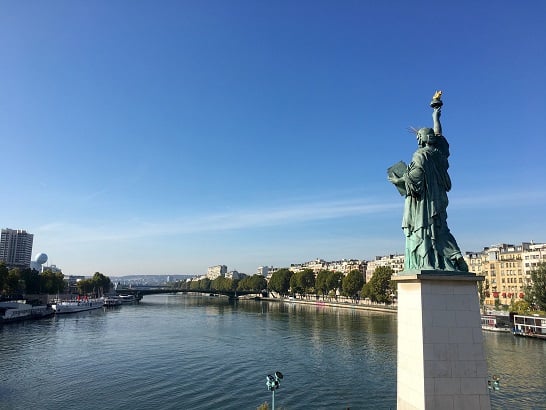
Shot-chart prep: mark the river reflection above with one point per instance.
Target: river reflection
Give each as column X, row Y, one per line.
column 197, row 352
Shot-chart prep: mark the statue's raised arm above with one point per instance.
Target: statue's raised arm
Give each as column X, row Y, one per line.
column 436, row 105
column 441, row 141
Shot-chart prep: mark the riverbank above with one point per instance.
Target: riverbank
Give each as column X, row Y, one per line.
column 339, row 304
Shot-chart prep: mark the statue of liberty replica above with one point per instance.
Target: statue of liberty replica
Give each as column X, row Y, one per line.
column 440, row 355
column 425, row 183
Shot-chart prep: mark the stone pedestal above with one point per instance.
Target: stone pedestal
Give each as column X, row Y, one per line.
column 441, row 360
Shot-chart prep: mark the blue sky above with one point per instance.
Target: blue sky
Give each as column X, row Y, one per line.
column 168, row 136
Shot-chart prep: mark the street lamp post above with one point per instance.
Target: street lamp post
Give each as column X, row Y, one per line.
column 273, row 383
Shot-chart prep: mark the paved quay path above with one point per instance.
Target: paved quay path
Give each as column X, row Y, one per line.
column 345, row 305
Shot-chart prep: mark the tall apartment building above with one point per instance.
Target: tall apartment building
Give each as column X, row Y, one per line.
column 16, row 248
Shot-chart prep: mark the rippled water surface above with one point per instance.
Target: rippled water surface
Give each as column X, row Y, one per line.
column 189, row 352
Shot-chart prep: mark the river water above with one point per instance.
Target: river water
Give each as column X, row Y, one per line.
column 200, row 352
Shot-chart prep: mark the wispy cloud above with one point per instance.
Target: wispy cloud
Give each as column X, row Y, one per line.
column 233, row 220
column 252, row 218
column 509, row 198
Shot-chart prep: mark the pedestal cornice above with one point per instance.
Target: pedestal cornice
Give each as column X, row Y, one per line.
column 418, row 275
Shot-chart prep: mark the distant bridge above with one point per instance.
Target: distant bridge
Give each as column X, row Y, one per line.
column 141, row 291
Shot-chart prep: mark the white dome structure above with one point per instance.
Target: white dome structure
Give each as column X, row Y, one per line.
column 41, row 258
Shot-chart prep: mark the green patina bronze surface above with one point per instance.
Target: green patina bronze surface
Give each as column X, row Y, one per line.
column 425, row 183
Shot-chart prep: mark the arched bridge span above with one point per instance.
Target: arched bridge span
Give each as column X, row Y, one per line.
column 141, row 291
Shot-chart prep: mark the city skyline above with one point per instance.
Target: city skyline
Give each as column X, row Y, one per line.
column 168, row 137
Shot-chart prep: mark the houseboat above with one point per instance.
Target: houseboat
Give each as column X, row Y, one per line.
column 530, row 326
column 14, row 311
column 78, row 305
column 493, row 323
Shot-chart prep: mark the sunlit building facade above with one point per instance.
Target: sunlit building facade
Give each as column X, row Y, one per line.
column 506, row 269
column 395, row 262
column 216, row 271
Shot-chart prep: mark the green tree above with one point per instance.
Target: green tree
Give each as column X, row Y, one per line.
column 14, row 284
column 280, row 281
column 535, row 293
column 3, row 277
column 244, row 284
column 302, row 282
column 31, row 278
column 333, row 282
column 352, row 284
column 102, row 282
column 257, row 283
column 205, row 284
column 234, row 284
column 194, row 285
column 85, row 286
column 221, row 284
column 98, row 284
column 295, row 284
column 52, row 282
column 321, row 282
column 182, row 285
column 308, row 280
column 520, row 306
column 379, row 288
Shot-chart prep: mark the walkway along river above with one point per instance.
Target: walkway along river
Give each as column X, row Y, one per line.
column 199, row 352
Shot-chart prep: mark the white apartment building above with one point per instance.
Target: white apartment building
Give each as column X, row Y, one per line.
column 535, row 254
column 16, row 248
column 263, row 270
column 344, row 266
column 234, row 275
column 348, row 265
column 395, row 262
column 216, row 271
column 315, row 265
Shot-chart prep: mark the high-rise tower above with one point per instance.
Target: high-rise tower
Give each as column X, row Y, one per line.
column 16, row 248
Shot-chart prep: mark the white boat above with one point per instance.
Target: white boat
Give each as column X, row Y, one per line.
column 15, row 311
column 492, row 323
column 530, row 326
column 73, row 306
column 128, row 299
column 111, row 301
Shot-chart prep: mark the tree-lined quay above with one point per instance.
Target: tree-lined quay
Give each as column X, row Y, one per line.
column 305, row 284
column 324, row 284
column 17, row 281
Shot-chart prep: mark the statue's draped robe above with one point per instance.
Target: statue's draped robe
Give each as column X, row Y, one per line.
column 429, row 243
